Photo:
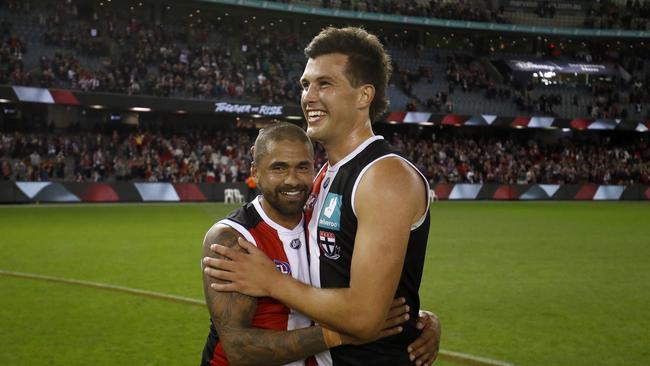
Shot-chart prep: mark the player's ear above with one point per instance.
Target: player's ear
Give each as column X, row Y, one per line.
column 253, row 168
column 366, row 95
column 254, row 171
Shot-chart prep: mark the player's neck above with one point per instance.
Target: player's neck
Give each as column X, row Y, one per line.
column 344, row 144
column 286, row 221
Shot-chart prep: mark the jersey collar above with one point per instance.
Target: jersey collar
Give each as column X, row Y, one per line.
column 355, row 152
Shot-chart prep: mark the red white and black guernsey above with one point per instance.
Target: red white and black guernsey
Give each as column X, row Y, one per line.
column 287, row 249
column 332, row 226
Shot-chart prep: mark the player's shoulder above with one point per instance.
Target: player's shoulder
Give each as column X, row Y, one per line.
column 237, row 224
column 393, row 179
column 247, row 216
column 393, row 169
column 221, row 233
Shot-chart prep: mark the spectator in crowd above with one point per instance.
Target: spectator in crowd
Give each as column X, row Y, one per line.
column 224, row 157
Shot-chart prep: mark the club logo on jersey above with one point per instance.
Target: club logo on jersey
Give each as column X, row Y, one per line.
column 282, row 266
column 328, row 246
column 295, row 244
column 330, row 214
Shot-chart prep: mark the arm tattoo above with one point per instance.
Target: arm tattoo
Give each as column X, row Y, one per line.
column 232, row 315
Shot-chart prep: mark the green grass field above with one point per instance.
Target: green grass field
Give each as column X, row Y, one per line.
column 528, row 283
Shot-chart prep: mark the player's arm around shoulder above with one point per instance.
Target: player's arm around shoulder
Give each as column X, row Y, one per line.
column 390, row 197
column 232, row 314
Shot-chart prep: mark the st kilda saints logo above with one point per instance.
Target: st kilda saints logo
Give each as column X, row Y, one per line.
column 328, row 246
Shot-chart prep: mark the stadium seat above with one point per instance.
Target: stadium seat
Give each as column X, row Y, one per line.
column 233, row 195
column 434, row 196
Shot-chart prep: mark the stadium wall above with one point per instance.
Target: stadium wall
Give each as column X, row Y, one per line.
column 540, row 192
column 62, row 192
column 72, row 192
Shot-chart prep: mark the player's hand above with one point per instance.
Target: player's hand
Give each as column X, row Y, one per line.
column 249, row 272
column 397, row 315
column 424, row 350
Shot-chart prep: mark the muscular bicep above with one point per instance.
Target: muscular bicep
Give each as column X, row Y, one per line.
column 389, row 199
column 227, row 310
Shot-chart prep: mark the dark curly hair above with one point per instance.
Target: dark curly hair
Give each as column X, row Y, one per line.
column 368, row 62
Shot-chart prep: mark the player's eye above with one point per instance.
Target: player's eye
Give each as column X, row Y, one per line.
column 278, row 167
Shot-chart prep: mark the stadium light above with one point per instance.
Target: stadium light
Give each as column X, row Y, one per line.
column 140, row 109
column 295, row 118
column 96, row 106
column 5, row 101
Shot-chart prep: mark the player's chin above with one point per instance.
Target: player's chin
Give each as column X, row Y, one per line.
column 314, row 129
column 292, row 207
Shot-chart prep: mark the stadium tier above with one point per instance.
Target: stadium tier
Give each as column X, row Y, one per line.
column 174, row 92
column 233, row 53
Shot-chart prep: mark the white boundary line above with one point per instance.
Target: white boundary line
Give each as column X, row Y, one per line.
column 104, row 286
column 452, row 356
column 466, row 359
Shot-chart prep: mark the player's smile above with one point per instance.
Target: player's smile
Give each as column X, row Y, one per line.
column 294, row 194
column 315, row 116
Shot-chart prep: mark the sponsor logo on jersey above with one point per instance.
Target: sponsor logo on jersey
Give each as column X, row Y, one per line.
column 295, row 244
column 327, row 182
column 282, row 266
column 330, row 214
column 328, row 246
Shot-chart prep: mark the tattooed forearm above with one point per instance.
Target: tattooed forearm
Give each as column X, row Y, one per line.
column 251, row 346
column 232, row 314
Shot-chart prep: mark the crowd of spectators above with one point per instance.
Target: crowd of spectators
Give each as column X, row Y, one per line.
column 446, row 158
column 542, row 104
column 465, row 73
column 634, row 15
column 225, row 157
column 137, row 156
column 188, row 59
column 454, row 10
column 233, row 61
column 12, row 50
